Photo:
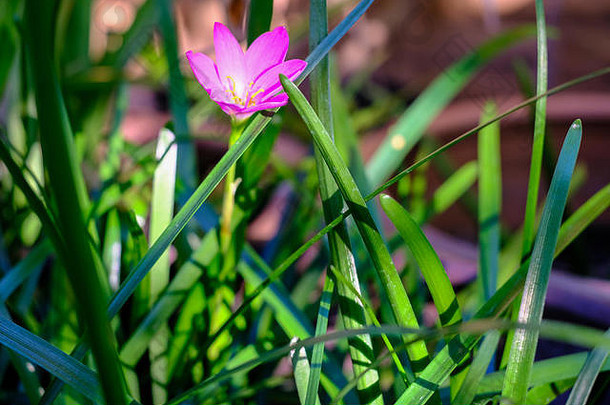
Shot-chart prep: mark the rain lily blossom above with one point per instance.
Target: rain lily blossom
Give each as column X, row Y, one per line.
column 243, row 83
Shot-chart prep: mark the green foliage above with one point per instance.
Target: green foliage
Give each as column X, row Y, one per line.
column 124, row 279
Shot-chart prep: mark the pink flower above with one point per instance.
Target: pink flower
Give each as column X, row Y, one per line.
column 243, row 83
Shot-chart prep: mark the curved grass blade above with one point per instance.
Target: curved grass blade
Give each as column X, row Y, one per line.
column 539, row 131
column 161, row 211
column 452, row 189
column 302, row 373
column 178, row 102
column 544, row 372
column 446, row 360
column 427, row 260
column 317, row 355
column 37, row 205
column 525, row 341
column 460, row 346
column 586, row 213
column 56, row 362
column 375, row 321
column 399, row 301
column 586, row 378
column 478, row 368
column 352, row 312
column 24, row 269
column 490, row 202
column 416, row 119
column 69, row 192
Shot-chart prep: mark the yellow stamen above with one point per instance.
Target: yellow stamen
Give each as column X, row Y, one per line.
column 237, row 99
column 251, row 101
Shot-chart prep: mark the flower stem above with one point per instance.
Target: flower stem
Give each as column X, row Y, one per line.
column 229, row 193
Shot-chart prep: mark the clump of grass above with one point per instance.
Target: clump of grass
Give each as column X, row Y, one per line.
column 125, row 289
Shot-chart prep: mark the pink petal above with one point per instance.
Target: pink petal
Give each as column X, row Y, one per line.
column 267, row 50
column 272, row 102
column 230, row 59
column 205, row 72
column 269, row 81
column 229, row 108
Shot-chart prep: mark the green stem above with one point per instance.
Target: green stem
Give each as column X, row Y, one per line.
column 228, row 202
column 71, row 201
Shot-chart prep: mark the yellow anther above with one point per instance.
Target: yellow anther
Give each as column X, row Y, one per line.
column 232, row 84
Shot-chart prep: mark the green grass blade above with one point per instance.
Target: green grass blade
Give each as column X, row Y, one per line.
column 586, row 378
column 525, row 341
column 539, row 131
column 478, row 368
column 259, row 18
column 178, row 102
column 111, row 254
column 8, row 37
column 186, row 277
column 317, row 355
column 416, row 119
column 24, row 269
column 69, row 192
column 292, row 320
column 37, row 205
column 371, row 313
column 56, row 362
column 446, row 360
column 490, row 202
column 399, row 301
column 544, row 372
column 430, row 265
column 333, row 37
column 352, row 312
column 452, row 189
column 161, row 211
column 586, row 213
column 302, row 374
column 544, row 394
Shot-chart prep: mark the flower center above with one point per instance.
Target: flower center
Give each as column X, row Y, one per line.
column 247, row 99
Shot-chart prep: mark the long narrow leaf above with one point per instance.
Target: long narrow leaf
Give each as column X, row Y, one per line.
column 455, row 351
column 427, row 260
column 490, row 201
column 56, row 362
column 68, row 187
column 584, row 383
column 161, row 211
column 539, row 130
column 352, row 313
column 525, row 341
column 399, row 301
column 318, row 350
